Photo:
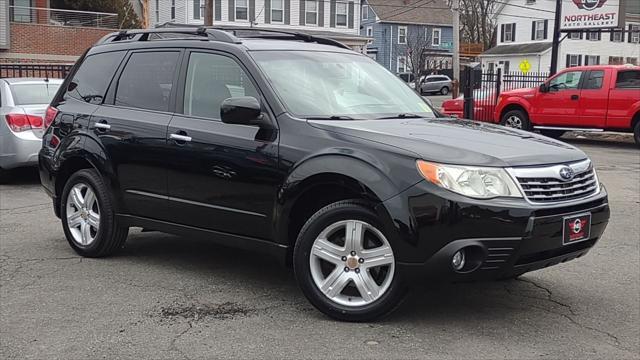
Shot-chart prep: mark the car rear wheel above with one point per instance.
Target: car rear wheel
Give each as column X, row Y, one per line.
column 444, row 90
column 636, row 133
column 516, row 119
column 345, row 264
column 88, row 216
column 4, row 176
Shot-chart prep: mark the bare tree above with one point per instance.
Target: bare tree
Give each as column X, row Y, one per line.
column 420, row 55
column 478, row 21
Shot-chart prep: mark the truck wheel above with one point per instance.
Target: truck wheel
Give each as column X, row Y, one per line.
column 516, row 119
column 4, row 176
column 444, row 90
column 88, row 216
column 556, row 134
column 345, row 265
column 636, row 133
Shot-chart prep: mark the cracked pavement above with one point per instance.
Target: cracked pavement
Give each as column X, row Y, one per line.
column 169, row 297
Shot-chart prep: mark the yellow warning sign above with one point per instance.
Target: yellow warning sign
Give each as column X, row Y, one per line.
column 525, row 66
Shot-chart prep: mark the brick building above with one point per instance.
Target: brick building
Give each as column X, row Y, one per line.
column 32, row 32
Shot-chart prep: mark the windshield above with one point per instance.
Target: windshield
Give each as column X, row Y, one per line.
column 338, row 85
column 33, row 94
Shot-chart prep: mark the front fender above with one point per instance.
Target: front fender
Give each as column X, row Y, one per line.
column 511, row 101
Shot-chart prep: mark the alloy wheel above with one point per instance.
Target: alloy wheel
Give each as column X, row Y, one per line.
column 514, row 122
column 83, row 214
column 352, row 263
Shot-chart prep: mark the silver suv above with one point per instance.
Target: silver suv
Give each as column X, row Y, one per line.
column 436, row 84
column 23, row 102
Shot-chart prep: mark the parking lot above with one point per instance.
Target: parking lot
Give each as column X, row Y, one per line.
column 170, row 297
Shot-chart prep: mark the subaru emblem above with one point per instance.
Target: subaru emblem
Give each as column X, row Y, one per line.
column 566, row 173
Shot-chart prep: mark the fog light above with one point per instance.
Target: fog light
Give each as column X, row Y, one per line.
column 458, row 260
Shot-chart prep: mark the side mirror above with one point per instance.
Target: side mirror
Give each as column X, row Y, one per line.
column 245, row 110
column 544, row 88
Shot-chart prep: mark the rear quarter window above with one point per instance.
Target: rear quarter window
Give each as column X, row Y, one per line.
column 33, row 94
column 90, row 82
column 629, row 79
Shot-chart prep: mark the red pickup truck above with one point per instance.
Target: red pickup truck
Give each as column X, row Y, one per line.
column 593, row 98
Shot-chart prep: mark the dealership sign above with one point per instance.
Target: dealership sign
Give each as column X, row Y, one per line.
column 591, row 14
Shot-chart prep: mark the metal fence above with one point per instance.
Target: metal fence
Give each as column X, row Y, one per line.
column 59, row 71
column 59, row 17
column 481, row 90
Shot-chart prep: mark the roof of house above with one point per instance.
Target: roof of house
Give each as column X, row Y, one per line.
column 517, row 49
column 434, row 12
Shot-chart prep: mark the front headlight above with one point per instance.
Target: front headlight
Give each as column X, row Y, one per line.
column 472, row 181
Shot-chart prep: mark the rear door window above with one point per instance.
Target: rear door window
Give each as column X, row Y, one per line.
column 90, row 82
column 147, row 80
column 628, row 79
column 33, row 94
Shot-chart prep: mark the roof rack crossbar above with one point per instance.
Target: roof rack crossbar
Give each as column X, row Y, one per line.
column 143, row 34
column 295, row 34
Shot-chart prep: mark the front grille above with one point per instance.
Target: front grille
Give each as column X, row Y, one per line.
column 544, row 185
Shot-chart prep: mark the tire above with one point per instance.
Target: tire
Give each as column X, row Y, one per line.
column 555, row 134
column 517, row 119
column 312, row 269
column 5, row 176
column 636, row 133
column 94, row 229
column 444, row 90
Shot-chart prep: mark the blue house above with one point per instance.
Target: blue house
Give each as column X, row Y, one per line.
column 399, row 27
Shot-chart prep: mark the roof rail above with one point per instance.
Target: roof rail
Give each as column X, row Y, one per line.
column 272, row 34
column 143, row 34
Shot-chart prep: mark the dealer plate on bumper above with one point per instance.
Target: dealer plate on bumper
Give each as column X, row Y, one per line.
column 576, row 228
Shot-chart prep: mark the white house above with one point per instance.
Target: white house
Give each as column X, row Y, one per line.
column 525, row 30
column 336, row 19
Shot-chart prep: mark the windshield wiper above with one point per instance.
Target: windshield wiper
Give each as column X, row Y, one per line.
column 401, row 116
column 332, row 117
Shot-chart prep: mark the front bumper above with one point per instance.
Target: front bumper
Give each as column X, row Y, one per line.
column 19, row 149
column 502, row 237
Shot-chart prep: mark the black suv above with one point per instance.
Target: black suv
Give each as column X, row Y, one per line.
column 296, row 146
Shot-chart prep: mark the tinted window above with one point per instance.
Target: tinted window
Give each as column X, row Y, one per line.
column 594, row 81
column 31, row 94
column 210, row 80
column 147, row 80
column 91, row 80
column 628, row 79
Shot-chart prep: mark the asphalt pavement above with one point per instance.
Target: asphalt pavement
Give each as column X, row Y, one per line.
column 169, row 297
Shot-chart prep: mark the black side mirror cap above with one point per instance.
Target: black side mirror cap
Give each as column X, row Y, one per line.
column 244, row 110
column 544, row 88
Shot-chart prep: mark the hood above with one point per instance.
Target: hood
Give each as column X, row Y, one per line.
column 519, row 92
column 459, row 142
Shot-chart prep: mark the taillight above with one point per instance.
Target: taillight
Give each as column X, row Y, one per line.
column 49, row 116
column 22, row 122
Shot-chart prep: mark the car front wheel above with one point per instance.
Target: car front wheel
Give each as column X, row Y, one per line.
column 345, row 264
column 636, row 133
column 88, row 216
column 444, row 90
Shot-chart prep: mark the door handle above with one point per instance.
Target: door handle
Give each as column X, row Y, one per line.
column 180, row 138
column 574, row 97
column 102, row 125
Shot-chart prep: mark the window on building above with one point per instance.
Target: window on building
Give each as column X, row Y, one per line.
column 594, row 80
column 402, row 64
column 242, row 9
column 573, row 60
column 277, row 11
column 575, row 35
column 342, row 12
column 539, row 30
column 21, row 11
column 509, row 32
column 634, row 35
column 616, row 60
column 629, row 79
column 402, row 34
column 198, row 9
column 311, row 12
column 593, row 35
column 90, row 82
column 211, row 79
column 369, row 31
column 566, row 81
column 591, row 60
column 147, row 80
column 173, row 9
column 616, row 36
column 632, row 60
column 365, row 12
column 436, row 36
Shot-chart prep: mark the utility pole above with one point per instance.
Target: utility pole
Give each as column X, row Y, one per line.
column 208, row 12
column 455, row 7
column 555, row 45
